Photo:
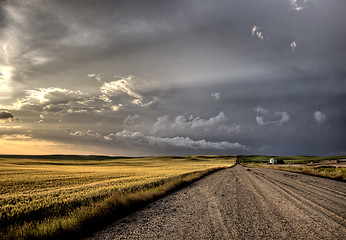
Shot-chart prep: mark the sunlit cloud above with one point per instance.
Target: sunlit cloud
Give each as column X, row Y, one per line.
column 116, row 107
column 130, row 86
column 25, row 144
column 43, row 97
column 122, row 86
column 97, row 76
column 18, row 137
column 5, row 80
column 10, row 127
column 253, row 30
column 256, row 33
column 293, row 45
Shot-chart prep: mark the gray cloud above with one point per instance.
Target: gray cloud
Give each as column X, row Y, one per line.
column 216, row 95
column 190, row 125
column 281, row 117
column 320, row 117
column 58, row 59
column 112, row 96
column 298, row 5
column 180, row 142
column 6, row 116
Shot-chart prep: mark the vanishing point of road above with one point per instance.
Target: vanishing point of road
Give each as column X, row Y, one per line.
column 242, row 203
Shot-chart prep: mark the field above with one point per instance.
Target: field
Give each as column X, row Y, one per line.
column 46, row 196
column 331, row 167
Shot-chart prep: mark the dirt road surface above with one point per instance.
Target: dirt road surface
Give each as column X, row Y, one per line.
column 242, row 203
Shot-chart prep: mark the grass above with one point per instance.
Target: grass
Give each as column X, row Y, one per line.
column 64, row 196
column 301, row 164
column 285, row 160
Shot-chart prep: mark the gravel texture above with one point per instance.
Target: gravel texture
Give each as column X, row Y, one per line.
column 242, row 203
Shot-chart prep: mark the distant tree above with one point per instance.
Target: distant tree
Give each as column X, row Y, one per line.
column 280, row 161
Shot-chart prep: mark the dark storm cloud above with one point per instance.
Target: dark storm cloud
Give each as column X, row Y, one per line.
column 268, row 75
column 5, row 116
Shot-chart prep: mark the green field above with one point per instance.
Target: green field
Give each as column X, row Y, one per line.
column 45, row 196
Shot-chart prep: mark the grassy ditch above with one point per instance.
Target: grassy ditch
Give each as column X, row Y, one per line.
column 253, row 159
column 338, row 173
column 75, row 199
column 301, row 164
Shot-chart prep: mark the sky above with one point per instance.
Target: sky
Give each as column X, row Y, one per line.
column 140, row 78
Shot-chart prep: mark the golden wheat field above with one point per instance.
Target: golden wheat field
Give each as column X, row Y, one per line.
column 33, row 191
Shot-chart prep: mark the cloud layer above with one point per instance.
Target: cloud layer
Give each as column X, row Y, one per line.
column 178, row 77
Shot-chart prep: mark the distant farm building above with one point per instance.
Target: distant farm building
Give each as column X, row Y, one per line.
column 272, row 161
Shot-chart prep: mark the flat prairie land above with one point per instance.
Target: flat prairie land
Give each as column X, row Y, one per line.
column 44, row 197
column 331, row 167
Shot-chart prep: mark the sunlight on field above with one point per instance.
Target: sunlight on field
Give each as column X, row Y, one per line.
column 32, row 189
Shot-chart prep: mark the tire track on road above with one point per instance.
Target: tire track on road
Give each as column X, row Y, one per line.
column 302, row 199
column 310, row 209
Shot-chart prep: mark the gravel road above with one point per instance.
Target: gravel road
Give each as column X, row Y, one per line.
column 242, row 203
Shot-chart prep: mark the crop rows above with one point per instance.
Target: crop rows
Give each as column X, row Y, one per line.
column 38, row 190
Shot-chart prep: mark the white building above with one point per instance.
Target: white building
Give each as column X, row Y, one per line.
column 271, row 161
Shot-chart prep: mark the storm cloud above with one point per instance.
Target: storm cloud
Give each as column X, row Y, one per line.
column 5, row 116
column 175, row 77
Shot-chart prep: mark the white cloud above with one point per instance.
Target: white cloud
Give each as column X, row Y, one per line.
column 46, row 96
column 260, row 35
column 278, row 118
column 191, row 125
column 260, row 120
column 16, row 137
column 131, row 86
column 298, row 5
column 89, row 133
column 97, row 76
column 293, row 45
column 260, row 110
column 255, row 32
column 320, row 117
column 113, row 96
column 216, row 95
column 5, row 80
column 116, row 107
column 180, row 142
column 121, row 86
column 284, row 117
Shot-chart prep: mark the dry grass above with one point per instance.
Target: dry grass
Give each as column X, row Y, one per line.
column 332, row 172
column 45, row 198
